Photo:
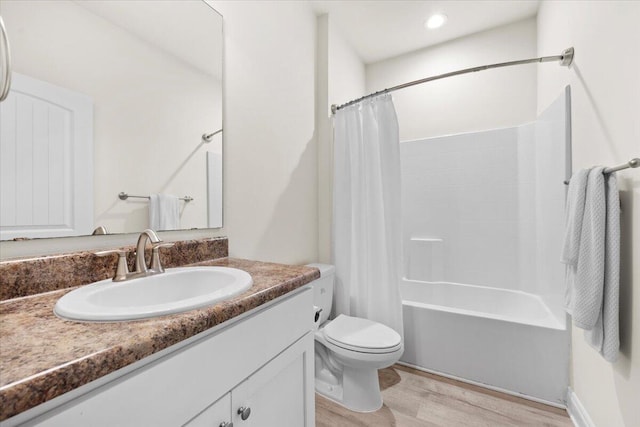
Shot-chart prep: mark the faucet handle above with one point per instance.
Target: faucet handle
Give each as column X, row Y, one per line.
column 155, row 255
column 122, row 270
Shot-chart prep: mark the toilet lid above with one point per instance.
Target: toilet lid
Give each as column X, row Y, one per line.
column 363, row 335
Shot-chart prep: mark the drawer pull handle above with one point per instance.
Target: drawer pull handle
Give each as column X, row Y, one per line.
column 226, row 424
column 244, row 412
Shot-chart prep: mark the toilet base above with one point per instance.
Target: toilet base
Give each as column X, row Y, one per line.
column 359, row 390
column 332, row 392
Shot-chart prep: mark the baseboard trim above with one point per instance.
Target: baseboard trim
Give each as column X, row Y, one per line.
column 579, row 416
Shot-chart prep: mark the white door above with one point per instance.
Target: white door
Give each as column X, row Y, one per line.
column 46, row 161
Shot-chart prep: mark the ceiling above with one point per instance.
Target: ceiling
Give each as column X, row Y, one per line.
column 383, row 29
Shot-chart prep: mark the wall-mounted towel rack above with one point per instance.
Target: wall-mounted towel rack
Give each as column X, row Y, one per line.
column 633, row 163
column 124, row 196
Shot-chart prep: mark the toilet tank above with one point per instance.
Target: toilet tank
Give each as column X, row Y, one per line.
column 323, row 290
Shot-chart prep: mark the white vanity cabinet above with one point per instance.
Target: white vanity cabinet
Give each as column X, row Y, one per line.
column 274, row 393
column 272, row 396
column 262, row 362
column 218, row 414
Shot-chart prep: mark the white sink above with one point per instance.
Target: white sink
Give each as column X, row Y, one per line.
column 174, row 291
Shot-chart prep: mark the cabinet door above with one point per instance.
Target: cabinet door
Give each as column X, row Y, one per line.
column 214, row 415
column 280, row 394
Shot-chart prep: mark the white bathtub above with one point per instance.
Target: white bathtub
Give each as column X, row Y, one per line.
column 507, row 340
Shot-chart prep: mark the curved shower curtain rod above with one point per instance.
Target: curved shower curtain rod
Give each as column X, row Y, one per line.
column 565, row 60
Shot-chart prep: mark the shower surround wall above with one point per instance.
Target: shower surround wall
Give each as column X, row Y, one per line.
column 463, row 211
column 486, row 208
column 483, row 221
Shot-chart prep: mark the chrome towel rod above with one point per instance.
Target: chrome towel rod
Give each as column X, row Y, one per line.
column 633, row 163
column 565, row 59
column 124, row 196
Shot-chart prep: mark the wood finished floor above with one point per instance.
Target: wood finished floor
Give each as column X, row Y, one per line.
column 414, row 398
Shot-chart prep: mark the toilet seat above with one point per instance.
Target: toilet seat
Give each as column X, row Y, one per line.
column 362, row 335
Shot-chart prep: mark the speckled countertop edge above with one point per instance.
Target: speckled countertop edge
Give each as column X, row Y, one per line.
column 43, row 356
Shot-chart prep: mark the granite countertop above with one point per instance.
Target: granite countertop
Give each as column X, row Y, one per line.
column 43, row 356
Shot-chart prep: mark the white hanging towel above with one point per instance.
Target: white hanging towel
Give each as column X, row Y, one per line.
column 574, row 212
column 583, row 250
column 604, row 336
column 164, row 212
column 591, row 251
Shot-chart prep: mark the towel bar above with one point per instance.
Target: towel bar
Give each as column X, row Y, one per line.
column 633, row 163
column 124, row 196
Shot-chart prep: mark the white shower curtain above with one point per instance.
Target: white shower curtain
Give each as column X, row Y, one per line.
column 367, row 212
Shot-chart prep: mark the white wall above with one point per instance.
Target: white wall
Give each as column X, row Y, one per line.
column 347, row 72
column 270, row 157
column 340, row 78
column 605, row 82
column 478, row 101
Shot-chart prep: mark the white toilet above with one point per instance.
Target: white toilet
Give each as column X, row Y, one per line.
column 349, row 351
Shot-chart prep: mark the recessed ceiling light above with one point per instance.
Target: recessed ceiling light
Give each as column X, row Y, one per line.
column 436, row 20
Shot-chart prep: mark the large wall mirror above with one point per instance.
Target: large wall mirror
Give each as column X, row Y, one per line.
column 111, row 97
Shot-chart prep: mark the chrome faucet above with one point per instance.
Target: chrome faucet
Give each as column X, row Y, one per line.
column 122, row 271
column 141, row 262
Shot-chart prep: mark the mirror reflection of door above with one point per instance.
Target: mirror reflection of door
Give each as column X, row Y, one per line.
column 153, row 70
column 46, row 160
